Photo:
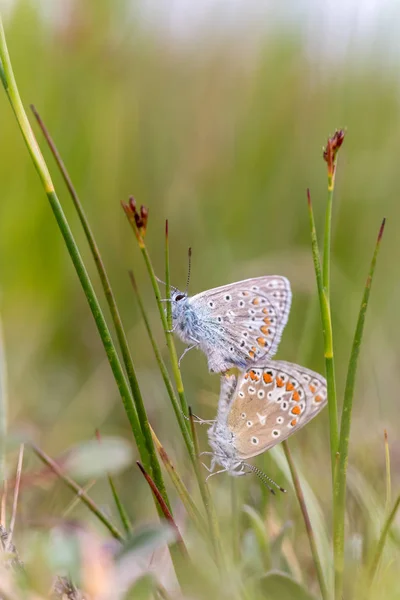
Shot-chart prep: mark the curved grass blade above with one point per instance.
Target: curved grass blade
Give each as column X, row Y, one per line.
column 40, row 165
column 112, row 305
column 341, row 475
column 307, row 521
column 77, row 490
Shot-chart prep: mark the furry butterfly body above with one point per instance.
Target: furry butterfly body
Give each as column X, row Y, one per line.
column 235, row 325
column 261, row 408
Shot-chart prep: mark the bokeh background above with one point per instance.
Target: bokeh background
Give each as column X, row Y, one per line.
column 213, row 115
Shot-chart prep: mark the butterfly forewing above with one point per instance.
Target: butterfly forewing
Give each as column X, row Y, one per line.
column 250, row 316
column 272, row 402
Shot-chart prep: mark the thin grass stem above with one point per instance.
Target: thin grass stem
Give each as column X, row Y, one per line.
column 341, row 475
column 180, row 487
column 165, row 510
column 112, row 305
column 75, row 500
column 382, row 540
column 33, row 148
column 164, row 372
column 77, row 490
column 3, row 418
column 328, row 341
column 326, row 259
column 168, row 331
column 307, row 521
column 16, row 492
column 205, row 494
column 153, row 279
column 123, row 515
column 388, row 474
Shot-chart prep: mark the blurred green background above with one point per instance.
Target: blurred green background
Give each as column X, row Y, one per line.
column 218, row 128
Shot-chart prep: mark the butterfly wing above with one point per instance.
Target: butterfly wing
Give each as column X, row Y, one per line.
column 271, row 403
column 247, row 317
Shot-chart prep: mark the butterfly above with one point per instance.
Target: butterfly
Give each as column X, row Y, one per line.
column 235, row 325
column 260, row 408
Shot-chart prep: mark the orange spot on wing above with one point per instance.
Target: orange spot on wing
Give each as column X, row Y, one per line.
column 279, row 382
column 256, row 300
column 296, row 410
column 295, row 396
column 246, row 293
column 264, row 329
column 246, row 376
column 267, row 321
column 267, row 378
column 252, row 352
column 265, row 311
column 318, row 398
column 289, row 386
column 254, row 376
column 261, row 341
column 312, row 389
column 293, row 422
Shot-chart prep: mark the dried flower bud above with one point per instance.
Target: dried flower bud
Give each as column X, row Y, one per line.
column 137, row 219
column 330, row 153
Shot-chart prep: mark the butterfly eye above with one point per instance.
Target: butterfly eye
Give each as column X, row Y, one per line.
column 179, row 297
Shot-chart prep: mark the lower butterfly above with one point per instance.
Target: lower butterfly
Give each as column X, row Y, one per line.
column 260, row 408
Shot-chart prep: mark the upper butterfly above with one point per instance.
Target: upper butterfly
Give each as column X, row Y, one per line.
column 235, row 325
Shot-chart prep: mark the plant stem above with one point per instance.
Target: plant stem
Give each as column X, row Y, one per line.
column 77, row 490
column 168, row 331
column 164, row 373
column 166, row 512
column 153, row 464
column 120, row 507
column 15, row 100
column 3, row 412
column 205, row 494
column 341, row 475
column 388, row 474
column 307, row 522
column 327, row 242
column 382, row 539
column 328, row 342
column 180, row 487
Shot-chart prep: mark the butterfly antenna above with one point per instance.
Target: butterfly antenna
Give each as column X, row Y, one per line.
column 189, row 267
column 264, row 478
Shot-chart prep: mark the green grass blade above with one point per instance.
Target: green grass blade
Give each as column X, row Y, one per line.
column 81, row 494
column 340, row 482
column 382, row 540
column 153, row 465
column 307, row 521
column 164, row 373
column 328, row 341
column 16, row 103
column 388, row 474
column 180, row 487
column 3, row 409
column 209, row 506
column 168, row 330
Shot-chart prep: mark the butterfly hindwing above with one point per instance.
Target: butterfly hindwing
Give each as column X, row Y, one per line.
column 271, row 402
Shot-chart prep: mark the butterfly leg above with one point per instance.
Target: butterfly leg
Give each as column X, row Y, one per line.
column 198, row 420
column 216, row 473
column 186, row 351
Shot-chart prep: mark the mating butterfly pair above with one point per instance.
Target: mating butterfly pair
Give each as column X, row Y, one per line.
column 240, row 325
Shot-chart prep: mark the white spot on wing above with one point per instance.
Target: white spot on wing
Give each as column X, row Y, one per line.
column 262, row 419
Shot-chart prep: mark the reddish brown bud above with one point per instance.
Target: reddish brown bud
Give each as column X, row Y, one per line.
column 137, row 219
column 331, row 150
